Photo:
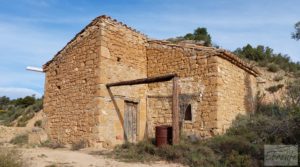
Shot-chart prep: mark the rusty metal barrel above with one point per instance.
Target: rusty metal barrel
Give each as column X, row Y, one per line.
column 163, row 135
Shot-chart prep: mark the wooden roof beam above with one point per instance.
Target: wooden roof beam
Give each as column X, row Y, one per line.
column 148, row 80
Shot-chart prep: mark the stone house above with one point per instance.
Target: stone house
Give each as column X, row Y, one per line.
column 215, row 86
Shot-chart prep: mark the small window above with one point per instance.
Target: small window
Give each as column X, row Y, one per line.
column 188, row 113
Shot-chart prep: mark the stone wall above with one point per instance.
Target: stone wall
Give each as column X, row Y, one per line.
column 236, row 92
column 197, row 70
column 70, row 88
column 218, row 87
column 122, row 58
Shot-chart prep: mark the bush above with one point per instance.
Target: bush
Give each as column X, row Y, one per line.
column 278, row 78
column 242, row 145
column 20, row 139
column 275, row 88
column 26, row 101
column 78, row 145
column 38, row 123
column 22, row 122
column 10, row 158
column 235, row 159
column 192, row 154
column 293, row 94
column 273, row 68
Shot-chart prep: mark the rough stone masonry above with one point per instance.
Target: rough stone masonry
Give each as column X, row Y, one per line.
column 216, row 86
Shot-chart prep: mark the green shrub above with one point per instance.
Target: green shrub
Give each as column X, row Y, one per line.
column 187, row 153
column 20, row 139
column 78, row 145
column 242, row 145
column 38, row 123
column 273, row 68
column 236, row 159
column 10, row 158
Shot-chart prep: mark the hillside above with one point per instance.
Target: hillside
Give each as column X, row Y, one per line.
column 19, row 111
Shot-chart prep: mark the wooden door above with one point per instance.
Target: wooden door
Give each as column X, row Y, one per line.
column 130, row 121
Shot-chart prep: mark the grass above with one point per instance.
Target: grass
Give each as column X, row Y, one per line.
column 10, row 158
column 20, row 139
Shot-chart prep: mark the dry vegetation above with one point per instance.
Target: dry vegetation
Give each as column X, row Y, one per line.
column 242, row 145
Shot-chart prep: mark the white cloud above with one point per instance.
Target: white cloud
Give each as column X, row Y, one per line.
column 14, row 93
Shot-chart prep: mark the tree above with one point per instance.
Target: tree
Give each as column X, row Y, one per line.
column 265, row 57
column 200, row 34
column 26, row 101
column 4, row 101
column 296, row 34
column 260, row 53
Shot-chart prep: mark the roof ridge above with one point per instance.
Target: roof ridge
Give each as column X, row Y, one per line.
column 121, row 23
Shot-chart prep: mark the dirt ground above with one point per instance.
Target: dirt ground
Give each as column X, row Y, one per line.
column 42, row 157
column 47, row 157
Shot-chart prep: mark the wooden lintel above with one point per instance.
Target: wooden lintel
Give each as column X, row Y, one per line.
column 143, row 80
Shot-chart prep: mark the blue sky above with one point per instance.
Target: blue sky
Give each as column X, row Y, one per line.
column 32, row 31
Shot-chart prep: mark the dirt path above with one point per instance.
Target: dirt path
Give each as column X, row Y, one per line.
column 42, row 157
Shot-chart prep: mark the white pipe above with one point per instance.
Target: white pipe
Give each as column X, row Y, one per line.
column 35, row 69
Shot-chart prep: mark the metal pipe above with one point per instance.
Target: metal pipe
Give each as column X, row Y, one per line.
column 35, row 69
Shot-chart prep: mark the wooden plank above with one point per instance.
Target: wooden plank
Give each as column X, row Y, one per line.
column 175, row 111
column 143, row 80
column 130, row 121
